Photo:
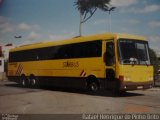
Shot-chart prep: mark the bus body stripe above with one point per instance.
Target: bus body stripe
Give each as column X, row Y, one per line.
column 83, row 73
column 19, row 70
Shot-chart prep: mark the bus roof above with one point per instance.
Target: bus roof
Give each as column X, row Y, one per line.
column 77, row 40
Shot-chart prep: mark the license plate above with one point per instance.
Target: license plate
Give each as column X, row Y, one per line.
column 140, row 87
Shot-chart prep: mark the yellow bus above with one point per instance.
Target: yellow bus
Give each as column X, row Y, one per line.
column 103, row 61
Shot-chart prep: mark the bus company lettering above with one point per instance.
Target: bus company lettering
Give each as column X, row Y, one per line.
column 70, row 64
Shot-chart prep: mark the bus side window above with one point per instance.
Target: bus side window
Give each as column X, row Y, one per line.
column 109, row 54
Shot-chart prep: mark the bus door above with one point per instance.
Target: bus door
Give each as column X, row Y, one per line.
column 110, row 65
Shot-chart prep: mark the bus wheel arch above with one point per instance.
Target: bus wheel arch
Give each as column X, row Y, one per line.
column 93, row 83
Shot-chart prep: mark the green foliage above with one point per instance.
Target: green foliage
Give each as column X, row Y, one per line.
column 154, row 60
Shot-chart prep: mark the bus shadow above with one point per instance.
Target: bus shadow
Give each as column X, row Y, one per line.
column 102, row 93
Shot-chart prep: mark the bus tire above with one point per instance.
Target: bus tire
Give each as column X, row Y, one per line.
column 94, row 87
column 93, row 84
column 33, row 81
column 23, row 81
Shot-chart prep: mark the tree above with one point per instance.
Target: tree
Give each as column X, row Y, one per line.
column 154, row 60
column 88, row 7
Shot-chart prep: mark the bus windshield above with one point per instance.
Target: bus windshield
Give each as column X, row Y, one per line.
column 133, row 52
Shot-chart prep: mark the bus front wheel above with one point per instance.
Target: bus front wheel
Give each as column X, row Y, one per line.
column 93, row 84
column 94, row 87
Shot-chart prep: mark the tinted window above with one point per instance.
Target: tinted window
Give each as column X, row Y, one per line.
column 109, row 53
column 77, row 50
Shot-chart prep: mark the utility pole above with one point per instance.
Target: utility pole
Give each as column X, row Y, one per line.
column 80, row 25
column 109, row 10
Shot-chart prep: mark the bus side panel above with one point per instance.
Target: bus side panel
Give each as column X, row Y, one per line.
column 66, row 68
column 67, row 72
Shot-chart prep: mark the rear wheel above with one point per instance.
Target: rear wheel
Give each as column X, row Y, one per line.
column 33, row 82
column 23, row 81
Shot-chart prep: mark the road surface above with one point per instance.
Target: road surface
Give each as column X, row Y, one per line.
column 17, row 100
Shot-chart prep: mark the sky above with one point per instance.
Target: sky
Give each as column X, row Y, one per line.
column 46, row 20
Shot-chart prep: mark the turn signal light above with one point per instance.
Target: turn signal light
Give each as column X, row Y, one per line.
column 121, row 78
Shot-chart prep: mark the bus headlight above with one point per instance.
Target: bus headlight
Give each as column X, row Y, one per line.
column 127, row 79
column 124, row 78
column 150, row 78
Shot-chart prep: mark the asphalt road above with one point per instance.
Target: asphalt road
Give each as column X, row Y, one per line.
column 17, row 100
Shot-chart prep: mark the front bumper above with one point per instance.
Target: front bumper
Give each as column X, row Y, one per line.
column 135, row 85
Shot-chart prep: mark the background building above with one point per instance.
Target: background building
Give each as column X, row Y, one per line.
column 4, row 55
